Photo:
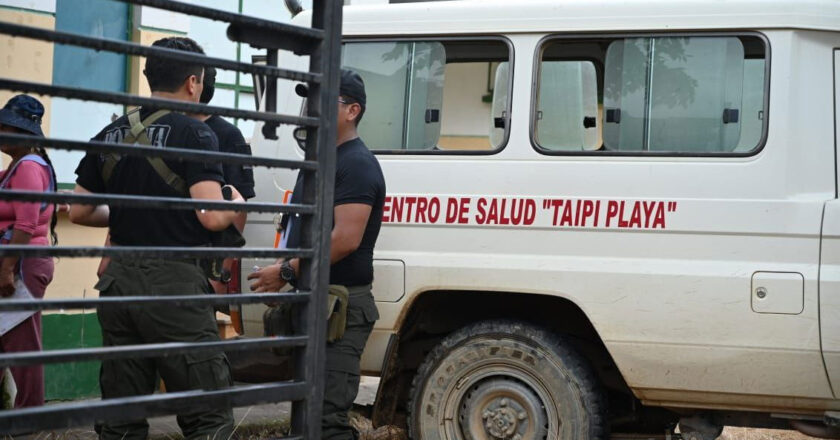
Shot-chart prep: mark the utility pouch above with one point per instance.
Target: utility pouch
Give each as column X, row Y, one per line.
column 338, row 298
column 277, row 319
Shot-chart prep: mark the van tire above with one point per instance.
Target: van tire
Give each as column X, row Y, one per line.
column 529, row 382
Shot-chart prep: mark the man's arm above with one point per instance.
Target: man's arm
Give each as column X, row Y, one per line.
column 212, row 190
column 350, row 221
column 89, row 215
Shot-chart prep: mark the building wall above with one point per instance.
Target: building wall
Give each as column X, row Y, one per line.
column 23, row 59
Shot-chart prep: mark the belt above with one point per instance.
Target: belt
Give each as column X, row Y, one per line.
column 193, row 261
column 359, row 290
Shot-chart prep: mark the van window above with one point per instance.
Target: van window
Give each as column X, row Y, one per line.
column 499, row 111
column 567, row 106
column 432, row 96
column 681, row 95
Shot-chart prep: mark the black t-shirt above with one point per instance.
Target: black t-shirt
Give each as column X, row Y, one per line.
column 231, row 141
column 358, row 179
column 133, row 175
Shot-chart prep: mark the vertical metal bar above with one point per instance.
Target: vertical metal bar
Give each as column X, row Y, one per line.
column 269, row 130
column 318, row 188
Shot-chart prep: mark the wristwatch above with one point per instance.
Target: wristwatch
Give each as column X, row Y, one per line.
column 287, row 272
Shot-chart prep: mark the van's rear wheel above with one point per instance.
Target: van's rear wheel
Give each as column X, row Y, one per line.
column 505, row 380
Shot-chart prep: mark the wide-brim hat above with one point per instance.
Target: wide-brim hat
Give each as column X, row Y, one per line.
column 23, row 112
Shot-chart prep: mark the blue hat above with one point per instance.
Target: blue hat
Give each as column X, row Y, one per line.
column 23, row 112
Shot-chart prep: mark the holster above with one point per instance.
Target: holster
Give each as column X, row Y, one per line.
column 278, row 319
column 338, row 298
column 227, row 238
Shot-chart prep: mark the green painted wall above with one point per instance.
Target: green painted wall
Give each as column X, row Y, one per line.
column 71, row 380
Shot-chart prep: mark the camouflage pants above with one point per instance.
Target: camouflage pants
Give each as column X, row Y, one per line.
column 139, row 324
column 342, row 365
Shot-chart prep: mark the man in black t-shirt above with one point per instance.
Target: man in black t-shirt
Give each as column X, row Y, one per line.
column 240, row 176
column 139, row 176
column 357, row 218
column 230, row 141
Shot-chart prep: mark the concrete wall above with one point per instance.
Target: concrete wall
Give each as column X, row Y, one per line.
column 25, row 59
column 75, row 277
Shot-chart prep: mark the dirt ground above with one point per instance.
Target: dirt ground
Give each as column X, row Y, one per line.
column 761, row 434
column 267, row 421
column 262, row 429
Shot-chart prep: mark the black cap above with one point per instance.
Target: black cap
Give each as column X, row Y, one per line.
column 352, row 86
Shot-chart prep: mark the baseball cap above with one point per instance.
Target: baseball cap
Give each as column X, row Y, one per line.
column 351, row 86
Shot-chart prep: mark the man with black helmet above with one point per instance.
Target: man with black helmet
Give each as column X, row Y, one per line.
column 357, row 218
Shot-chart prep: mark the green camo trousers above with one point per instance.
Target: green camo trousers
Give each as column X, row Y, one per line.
column 342, row 365
column 139, row 324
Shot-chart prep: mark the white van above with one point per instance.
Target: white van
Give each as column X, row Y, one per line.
column 602, row 215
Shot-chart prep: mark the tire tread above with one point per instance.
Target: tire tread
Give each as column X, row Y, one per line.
column 589, row 387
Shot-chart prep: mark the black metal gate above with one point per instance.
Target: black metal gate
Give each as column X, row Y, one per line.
column 322, row 43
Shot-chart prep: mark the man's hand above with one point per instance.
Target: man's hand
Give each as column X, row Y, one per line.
column 267, row 279
column 88, row 215
column 235, row 195
column 7, row 283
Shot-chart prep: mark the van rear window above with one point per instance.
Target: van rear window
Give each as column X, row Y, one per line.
column 686, row 95
column 446, row 96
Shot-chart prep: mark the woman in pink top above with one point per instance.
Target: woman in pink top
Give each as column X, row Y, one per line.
column 24, row 223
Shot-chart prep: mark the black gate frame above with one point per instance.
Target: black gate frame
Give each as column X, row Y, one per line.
column 322, row 42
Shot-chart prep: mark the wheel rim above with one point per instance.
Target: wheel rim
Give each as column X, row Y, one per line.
column 502, row 409
column 438, row 407
column 489, row 371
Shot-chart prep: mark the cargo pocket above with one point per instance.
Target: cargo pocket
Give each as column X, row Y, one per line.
column 369, row 310
column 339, row 392
column 207, row 371
column 176, row 322
column 104, row 284
column 113, row 318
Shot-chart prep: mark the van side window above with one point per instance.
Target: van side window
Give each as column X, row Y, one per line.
column 433, row 96
column 567, row 106
column 682, row 95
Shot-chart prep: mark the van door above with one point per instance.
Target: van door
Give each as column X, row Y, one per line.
column 830, row 267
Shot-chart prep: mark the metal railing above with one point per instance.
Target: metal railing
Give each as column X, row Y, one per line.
column 305, row 390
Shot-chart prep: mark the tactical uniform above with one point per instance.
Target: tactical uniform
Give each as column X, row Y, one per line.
column 231, row 141
column 123, row 325
column 358, row 179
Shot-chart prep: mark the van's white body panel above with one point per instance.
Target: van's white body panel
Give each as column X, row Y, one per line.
column 674, row 305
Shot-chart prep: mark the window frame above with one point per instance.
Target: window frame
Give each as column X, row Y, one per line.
column 418, row 38
column 535, row 83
